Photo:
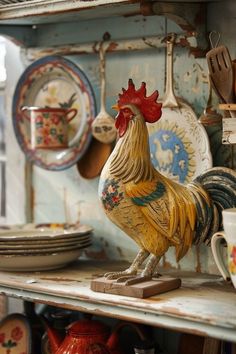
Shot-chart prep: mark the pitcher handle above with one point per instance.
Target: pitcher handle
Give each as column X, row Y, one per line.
column 72, row 112
column 217, row 254
column 113, row 340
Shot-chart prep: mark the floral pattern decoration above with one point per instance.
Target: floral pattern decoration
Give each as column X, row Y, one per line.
column 50, row 129
column 111, row 196
column 12, row 342
column 232, row 260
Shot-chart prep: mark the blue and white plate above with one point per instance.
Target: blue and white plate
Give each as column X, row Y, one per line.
column 179, row 144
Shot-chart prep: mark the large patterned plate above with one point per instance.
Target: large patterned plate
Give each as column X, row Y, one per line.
column 179, row 144
column 54, row 81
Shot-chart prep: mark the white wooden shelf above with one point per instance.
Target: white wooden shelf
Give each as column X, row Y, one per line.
column 41, row 11
column 204, row 305
column 25, row 16
column 15, row 9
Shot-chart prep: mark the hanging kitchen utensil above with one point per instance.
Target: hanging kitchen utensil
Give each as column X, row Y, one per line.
column 103, row 127
column 91, row 164
column 179, row 143
column 210, row 117
column 212, row 121
column 221, row 74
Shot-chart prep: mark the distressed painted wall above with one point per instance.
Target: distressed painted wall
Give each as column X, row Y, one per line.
column 67, row 197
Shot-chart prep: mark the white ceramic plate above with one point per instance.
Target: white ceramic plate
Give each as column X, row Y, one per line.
column 15, row 244
column 43, row 234
column 28, row 263
column 38, row 251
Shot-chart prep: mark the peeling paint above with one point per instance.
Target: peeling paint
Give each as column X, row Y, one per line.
column 61, row 279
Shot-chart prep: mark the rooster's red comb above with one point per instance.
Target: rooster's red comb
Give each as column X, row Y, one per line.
column 148, row 106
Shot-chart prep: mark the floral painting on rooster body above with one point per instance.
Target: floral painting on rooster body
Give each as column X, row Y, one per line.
column 111, row 196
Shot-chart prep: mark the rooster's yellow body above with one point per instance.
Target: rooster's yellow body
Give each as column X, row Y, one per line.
column 153, row 210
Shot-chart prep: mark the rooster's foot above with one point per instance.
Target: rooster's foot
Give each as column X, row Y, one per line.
column 138, row 279
column 156, row 275
column 124, row 278
column 131, row 271
column 119, row 275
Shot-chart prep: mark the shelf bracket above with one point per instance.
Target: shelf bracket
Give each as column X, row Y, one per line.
column 190, row 17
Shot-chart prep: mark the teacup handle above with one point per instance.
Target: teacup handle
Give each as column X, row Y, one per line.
column 72, row 112
column 217, row 254
column 24, row 111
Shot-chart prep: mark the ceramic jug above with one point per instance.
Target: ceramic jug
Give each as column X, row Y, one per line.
column 48, row 126
column 84, row 337
column 90, row 337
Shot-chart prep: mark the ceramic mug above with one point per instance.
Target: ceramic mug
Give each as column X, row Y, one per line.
column 226, row 268
column 49, row 126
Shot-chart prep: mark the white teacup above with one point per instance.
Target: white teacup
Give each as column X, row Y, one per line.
column 228, row 270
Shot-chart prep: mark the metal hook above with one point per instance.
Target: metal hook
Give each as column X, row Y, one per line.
column 171, row 37
column 214, row 36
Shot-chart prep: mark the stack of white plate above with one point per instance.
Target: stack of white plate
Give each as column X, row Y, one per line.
column 42, row 249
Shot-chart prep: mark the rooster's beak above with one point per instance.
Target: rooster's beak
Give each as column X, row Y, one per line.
column 115, row 107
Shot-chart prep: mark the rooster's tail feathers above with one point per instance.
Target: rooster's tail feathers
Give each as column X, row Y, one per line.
column 220, row 185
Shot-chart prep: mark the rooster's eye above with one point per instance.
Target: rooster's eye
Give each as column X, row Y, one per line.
column 128, row 113
column 127, row 110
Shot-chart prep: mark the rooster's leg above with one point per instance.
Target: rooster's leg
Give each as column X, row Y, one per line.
column 151, row 266
column 147, row 273
column 132, row 270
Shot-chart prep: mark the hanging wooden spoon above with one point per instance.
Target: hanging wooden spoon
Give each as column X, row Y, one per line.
column 92, row 162
column 103, row 126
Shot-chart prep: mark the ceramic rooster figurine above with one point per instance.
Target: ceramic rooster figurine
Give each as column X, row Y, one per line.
column 153, row 210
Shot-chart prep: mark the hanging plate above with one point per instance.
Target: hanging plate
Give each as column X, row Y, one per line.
column 179, row 144
column 54, row 81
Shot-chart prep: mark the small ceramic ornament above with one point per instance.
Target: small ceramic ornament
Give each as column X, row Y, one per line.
column 15, row 335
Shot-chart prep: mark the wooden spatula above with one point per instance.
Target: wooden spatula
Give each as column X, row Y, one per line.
column 221, row 74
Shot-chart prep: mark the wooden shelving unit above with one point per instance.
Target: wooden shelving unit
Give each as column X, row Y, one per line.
column 204, row 305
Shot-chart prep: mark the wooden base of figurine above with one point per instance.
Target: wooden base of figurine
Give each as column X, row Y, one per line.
column 141, row 290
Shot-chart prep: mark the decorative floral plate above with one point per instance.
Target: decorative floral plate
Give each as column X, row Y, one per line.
column 54, row 81
column 15, row 335
column 179, row 144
